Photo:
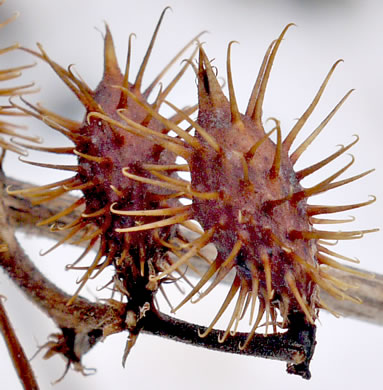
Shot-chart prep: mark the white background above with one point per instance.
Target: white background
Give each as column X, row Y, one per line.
column 348, row 353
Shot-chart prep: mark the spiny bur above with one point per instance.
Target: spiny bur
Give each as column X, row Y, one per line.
column 249, row 200
column 116, row 133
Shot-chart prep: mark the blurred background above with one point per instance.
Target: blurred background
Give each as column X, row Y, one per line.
column 348, row 352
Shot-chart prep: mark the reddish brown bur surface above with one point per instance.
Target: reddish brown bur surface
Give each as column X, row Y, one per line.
column 248, row 199
column 243, row 213
column 104, row 150
column 245, row 173
column 117, row 132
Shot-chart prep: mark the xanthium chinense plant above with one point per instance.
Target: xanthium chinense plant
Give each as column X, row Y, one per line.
column 142, row 217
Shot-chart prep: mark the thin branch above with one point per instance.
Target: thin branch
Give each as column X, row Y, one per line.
column 20, row 361
column 296, row 346
column 24, row 216
column 370, row 291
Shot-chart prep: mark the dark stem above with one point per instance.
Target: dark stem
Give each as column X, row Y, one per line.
column 296, row 346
